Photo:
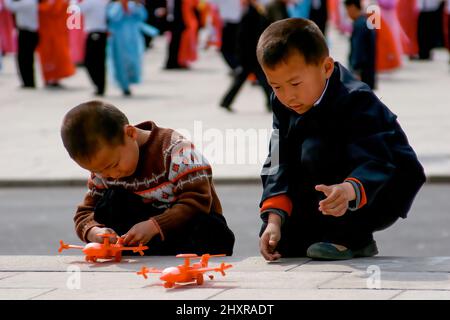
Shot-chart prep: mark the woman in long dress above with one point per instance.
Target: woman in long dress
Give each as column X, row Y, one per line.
column 408, row 15
column 54, row 48
column 189, row 41
column 126, row 43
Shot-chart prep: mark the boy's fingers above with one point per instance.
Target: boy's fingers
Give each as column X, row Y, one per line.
column 331, row 198
column 276, row 255
column 128, row 238
column 270, row 256
column 337, row 211
column 264, row 251
column 265, row 248
column 333, row 204
column 323, row 188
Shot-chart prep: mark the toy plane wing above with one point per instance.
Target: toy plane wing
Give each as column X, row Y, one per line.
column 139, row 249
column 220, row 269
column 146, row 270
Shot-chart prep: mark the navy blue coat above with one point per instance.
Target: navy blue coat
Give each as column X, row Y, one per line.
column 363, row 140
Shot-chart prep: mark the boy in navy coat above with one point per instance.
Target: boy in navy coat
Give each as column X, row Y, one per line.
column 340, row 166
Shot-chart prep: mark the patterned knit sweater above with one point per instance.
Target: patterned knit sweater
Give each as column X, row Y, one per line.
column 171, row 175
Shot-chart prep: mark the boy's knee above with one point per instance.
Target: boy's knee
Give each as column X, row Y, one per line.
column 211, row 234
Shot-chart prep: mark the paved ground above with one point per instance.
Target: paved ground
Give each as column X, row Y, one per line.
column 69, row 277
column 31, row 147
column 34, row 219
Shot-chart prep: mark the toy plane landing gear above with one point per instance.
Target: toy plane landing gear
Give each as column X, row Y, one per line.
column 105, row 250
column 186, row 272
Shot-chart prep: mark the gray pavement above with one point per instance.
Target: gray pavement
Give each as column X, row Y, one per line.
column 381, row 278
column 188, row 100
column 35, row 219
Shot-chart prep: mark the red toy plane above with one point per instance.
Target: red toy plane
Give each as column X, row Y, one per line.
column 186, row 272
column 105, row 250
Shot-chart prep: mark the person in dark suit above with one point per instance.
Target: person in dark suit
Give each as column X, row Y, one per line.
column 277, row 10
column 319, row 14
column 362, row 45
column 176, row 26
column 252, row 25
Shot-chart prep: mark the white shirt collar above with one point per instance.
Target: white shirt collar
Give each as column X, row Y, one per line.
column 323, row 93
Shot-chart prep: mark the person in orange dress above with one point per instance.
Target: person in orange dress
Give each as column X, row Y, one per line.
column 389, row 50
column 188, row 43
column 387, row 56
column 54, row 50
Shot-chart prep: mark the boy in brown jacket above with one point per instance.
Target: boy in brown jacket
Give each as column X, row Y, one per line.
column 147, row 183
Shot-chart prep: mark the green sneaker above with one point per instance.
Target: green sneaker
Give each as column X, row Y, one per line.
column 330, row 251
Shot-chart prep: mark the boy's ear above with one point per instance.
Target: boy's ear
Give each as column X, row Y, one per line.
column 328, row 66
column 130, row 131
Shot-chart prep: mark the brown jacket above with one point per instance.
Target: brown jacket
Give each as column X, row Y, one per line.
column 171, row 174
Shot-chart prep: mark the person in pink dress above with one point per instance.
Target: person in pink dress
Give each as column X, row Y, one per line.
column 77, row 43
column 7, row 31
column 408, row 15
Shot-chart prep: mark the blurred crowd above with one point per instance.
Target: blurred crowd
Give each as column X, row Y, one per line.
column 111, row 36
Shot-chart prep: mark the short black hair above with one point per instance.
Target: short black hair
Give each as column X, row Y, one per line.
column 356, row 3
column 282, row 37
column 90, row 124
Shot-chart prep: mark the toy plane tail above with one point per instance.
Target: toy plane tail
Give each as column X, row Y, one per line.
column 144, row 270
column 223, row 267
column 140, row 249
column 64, row 246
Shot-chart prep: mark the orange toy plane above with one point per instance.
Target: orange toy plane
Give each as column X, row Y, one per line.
column 186, row 272
column 105, row 250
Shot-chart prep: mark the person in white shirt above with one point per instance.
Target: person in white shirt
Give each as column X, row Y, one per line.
column 231, row 13
column 26, row 12
column 95, row 25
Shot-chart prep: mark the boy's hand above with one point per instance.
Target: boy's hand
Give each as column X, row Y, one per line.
column 270, row 238
column 93, row 237
column 338, row 196
column 141, row 232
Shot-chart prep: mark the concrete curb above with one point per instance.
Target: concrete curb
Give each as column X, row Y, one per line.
column 75, row 182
